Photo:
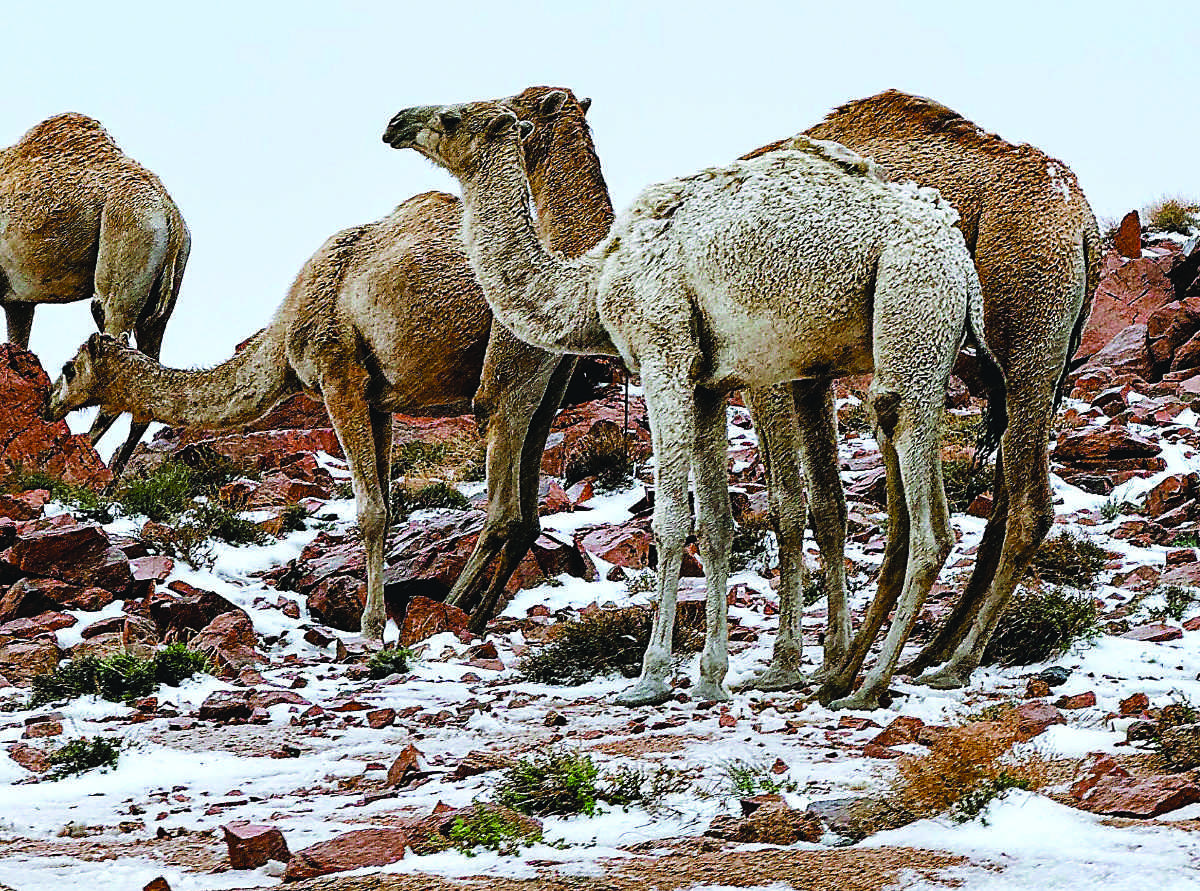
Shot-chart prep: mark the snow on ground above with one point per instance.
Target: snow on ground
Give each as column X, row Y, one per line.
column 199, row 779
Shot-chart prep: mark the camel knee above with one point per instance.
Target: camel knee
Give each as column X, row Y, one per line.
column 373, row 520
column 715, row 535
column 886, row 406
column 929, row 555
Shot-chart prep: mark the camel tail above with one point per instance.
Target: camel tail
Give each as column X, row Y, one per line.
column 995, row 414
column 170, row 278
column 1091, row 273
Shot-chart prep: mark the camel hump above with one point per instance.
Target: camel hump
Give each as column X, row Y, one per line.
column 69, row 130
column 835, row 153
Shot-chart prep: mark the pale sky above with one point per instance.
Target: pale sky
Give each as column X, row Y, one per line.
column 264, row 119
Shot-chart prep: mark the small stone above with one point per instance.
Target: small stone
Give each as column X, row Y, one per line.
column 1036, row 688
column 406, row 763
column 43, row 729
column 1079, row 700
column 1134, row 705
column 351, row 850
column 1055, row 675
column 251, row 846
column 1155, row 632
column 555, row 719
column 1034, row 717
column 381, row 717
column 159, row 884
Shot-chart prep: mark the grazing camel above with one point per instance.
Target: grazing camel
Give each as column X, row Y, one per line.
column 1036, row 248
column 735, row 277
column 80, row 220
column 385, row 317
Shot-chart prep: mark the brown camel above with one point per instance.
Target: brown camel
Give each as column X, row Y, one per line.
column 1035, row 244
column 80, row 220
column 387, row 317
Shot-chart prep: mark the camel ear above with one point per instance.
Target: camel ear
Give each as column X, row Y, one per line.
column 69, row 371
column 500, row 124
column 450, row 121
column 93, row 345
column 124, row 339
column 524, row 128
column 585, row 103
column 552, row 102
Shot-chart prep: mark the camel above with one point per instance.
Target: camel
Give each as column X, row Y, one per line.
column 1036, row 248
column 80, row 220
column 736, row 277
column 388, row 317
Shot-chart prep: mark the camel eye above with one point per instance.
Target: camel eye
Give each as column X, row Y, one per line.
column 69, row 371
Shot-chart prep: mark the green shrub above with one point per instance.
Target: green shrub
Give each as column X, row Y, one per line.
column 1069, row 559
column 1038, row 625
column 972, row 803
column 750, row 539
column 187, row 541
column 294, row 518
column 433, row 495
column 490, row 828
column 86, row 503
column 1176, row 735
column 1173, row 215
column 1177, row 602
column 964, row 482
column 387, row 662
column 606, row 453
column 81, row 755
column 603, row 642
column 553, row 782
column 218, row 521
column 161, row 494
column 628, row 785
column 743, row 779
column 461, row 458
column 1186, row 540
column 120, row 677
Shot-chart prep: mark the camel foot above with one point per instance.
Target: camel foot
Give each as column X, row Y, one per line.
column 773, row 677
column 859, row 701
column 644, row 692
column 949, row 677
column 707, row 691
column 834, row 687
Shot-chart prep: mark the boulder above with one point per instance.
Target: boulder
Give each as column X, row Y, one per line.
column 425, row 618
column 1129, row 291
column 1141, row 797
column 1125, row 353
column 627, row 545
column 77, row 553
column 1034, row 717
column 29, row 442
column 900, row 731
column 251, row 846
column 22, row 660
column 1101, row 447
column 772, row 823
column 1154, row 632
column 229, row 640
column 1128, row 241
column 350, row 850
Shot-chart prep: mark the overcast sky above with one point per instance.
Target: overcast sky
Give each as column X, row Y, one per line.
column 264, row 119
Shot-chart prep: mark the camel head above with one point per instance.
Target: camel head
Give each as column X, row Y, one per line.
column 455, row 136
column 86, row 379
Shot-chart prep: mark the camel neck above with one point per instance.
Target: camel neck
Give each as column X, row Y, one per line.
column 229, row 395
column 574, row 211
column 541, row 298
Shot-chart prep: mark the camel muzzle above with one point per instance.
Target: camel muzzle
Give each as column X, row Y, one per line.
column 404, row 126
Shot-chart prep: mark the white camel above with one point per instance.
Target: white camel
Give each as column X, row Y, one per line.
column 799, row 264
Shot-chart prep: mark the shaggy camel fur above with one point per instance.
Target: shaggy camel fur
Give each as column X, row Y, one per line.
column 80, row 220
column 384, row 317
column 735, row 277
column 1036, row 247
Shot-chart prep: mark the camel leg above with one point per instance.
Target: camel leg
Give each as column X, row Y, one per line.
column 773, row 410
column 715, row 533
column 819, row 456
column 354, row 423
column 987, row 560
column 513, row 403
column 20, row 323
column 1030, row 516
column 930, row 541
column 888, row 586
column 522, row 536
column 670, row 406
column 149, row 341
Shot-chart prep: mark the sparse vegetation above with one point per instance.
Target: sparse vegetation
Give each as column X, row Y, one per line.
column 121, row 677
column 1173, row 215
column 554, row 782
column 491, row 829
column 965, row 769
column 87, row 503
column 389, row 661
column 1038, row 625
column 628, row 785
column 603, row 642
column 1176, row 736
column 81, row 755
column 1111, row 509
column 965, row 482
column 460, row 458
column 1069, row 559
column 605, row 453
column 293, row 519
column 750, row 542
column 1176, row 602
column 432, row 495
column 743, row 779
column 1186, row 540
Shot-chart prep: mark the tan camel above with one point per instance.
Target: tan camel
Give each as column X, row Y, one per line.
column 384, row 317
column 735, row 277
column 81, row 220
column 1036, row 247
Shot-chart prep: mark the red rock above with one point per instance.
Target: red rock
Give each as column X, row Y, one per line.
column 425, row 618
column 477, row 762
column 229, row 640
column 1095, row 767
column 22, row 660
column 580, row 493
column 1034, row 717
column 186, row 609
column 851, row 722
column 1134, row 705
column 627, row 545
column 351, row 850
column 900, row 731
column 224, row 706
column 158, row 884
column 772, row 823
column 76, row 553
column 574, row 423
column 278, row 489
column 29, row 757
column 406, row 763
column 557, row 555
column 1079, row 700
column 1181, row 557
column 1170, row 493
column 156, row 567
column 1036, row 688
column 553, row 498
column 20, row 507
column 381, row 717
column 1187, row 575
column 1127, row 294
column 1128, row 240
column 430, row 835
column 1192, row 624
column 1100, row 447
column 27, row 440
column 1169, row 327
column 1188, row 355
column 1155, row 632
column 980, row 506
column 1126, row 353
column 251, row 846
column 43, row 624
column 727, row 720
column 1142, row 797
